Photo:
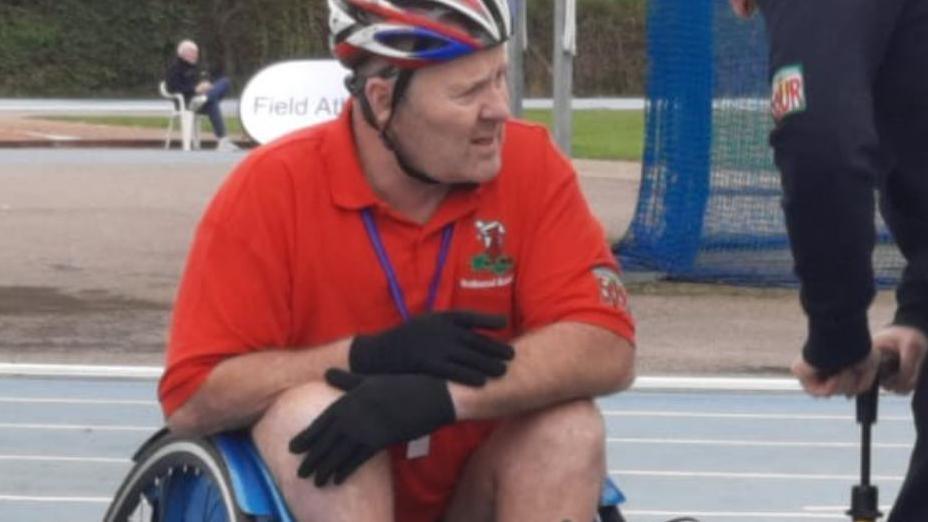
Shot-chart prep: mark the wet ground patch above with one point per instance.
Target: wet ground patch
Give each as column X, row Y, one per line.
column 32, row 300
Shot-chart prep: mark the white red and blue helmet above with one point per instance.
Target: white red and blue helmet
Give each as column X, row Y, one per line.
column 415, row 33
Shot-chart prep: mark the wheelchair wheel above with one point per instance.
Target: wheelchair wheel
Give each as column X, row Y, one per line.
column 176, row 479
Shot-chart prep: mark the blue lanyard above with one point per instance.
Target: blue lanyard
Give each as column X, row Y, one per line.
column 395, row 291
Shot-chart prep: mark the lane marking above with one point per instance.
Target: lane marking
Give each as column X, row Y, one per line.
column 641, row 383
column 755, row 443
column 739, row 515
column 80, row 427
column 762, row 416
column 62, row 400
column 80, row 370
column 683, row 382
column 748, row 475
column 50, row 458
column 841, row 509
column 82, row 500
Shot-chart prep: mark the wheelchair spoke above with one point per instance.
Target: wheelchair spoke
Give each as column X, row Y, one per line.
column 177, row 479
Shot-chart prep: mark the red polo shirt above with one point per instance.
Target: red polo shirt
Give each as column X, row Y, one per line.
column 281, row 259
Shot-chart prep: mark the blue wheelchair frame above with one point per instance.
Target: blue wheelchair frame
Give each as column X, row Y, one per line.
column 253, row 489
column 257, row 493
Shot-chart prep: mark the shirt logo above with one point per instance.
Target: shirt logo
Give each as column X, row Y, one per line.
column 492, row 260
column 788, row 92
column 611, row 290
column 491, row 235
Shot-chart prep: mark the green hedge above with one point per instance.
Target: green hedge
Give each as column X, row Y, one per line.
column 76, row 48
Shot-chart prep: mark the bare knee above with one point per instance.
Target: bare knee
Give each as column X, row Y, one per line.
column 575, row 424
column 291, row 413
column 561, row 447
column 571, row 434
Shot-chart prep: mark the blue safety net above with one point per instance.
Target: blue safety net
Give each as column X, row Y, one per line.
column 709, row 202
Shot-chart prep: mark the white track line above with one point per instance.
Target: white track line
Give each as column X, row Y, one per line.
column 754, row 416
column 79, row 427
column 62, row 400
column 79, row 370
column 51, row 458
column 715, row 383
column 755, row 443
column 737, row 515
column 55, row 500
column 641, row 383
column 741, row 475
column 885, row 508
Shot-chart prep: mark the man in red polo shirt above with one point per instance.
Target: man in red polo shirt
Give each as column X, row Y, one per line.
column 412, row 306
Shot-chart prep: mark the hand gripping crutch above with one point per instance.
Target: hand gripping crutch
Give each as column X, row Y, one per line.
column 865, row 496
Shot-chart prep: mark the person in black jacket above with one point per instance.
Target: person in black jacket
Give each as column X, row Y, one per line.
column 201, row 95
column 850, row 102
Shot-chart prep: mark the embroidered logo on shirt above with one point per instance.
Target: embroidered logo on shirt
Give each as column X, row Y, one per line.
column 611, row 290
column 493, row 260
column 491, row 234
column 788, row 92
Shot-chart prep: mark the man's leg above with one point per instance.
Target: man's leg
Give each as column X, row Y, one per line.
column 366, row 496
column 902, row 111
column 215, row 118
column 545, row 465
column 219, row 90
column 212, row 109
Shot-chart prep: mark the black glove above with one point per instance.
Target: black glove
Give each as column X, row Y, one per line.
column 374, row 413
column 439, row 344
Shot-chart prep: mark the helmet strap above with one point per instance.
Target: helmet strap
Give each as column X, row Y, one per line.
column 386, row 136
column 355, row 84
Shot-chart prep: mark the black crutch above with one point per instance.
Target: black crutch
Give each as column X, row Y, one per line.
column 865, row 496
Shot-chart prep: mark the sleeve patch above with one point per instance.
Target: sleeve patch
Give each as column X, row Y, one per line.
column 611, row 290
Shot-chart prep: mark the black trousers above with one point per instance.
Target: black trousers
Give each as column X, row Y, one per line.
column 861, row 122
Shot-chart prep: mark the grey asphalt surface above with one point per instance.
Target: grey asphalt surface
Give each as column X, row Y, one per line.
column 93, row 241
column 746, row 457
column 92, row 244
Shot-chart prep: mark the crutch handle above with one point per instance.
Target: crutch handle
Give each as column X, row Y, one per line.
column 889, row 365
column 867, row 401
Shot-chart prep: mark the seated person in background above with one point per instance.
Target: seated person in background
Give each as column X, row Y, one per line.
column 202, row 96
column 411, row 307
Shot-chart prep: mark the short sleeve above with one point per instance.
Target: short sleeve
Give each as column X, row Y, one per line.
column 566, row 270
column 234, row 294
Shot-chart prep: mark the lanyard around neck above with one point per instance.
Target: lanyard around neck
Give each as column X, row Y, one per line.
column 396, row 292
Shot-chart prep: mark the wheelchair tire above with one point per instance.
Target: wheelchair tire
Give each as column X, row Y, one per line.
column 176, row 479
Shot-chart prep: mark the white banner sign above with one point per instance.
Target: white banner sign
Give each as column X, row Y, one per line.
column 287, row 96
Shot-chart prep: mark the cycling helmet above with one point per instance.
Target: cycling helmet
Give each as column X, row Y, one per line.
column 409, row 34
column 415, row 33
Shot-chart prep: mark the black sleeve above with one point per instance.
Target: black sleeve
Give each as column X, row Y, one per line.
column 826, row 147
column 179, row 79
column 831, row 228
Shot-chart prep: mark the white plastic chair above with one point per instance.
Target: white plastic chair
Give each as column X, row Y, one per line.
column 188, row 122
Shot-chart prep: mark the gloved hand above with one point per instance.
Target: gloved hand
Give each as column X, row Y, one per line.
column 439, row 344
column 375, row 412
